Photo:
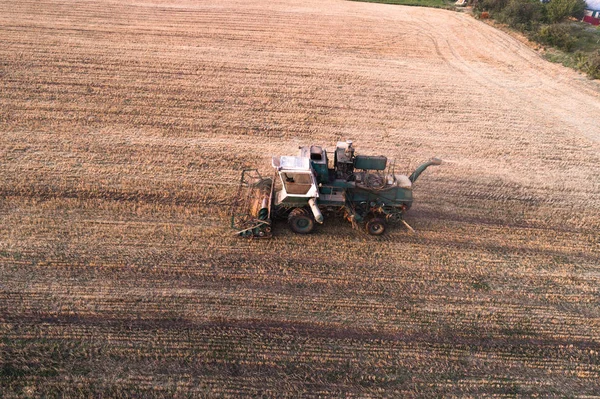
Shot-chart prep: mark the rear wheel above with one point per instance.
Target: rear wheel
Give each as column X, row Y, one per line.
column 301, row 221
column 376, row 226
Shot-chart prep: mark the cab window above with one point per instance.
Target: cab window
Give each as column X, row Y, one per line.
column 296, row 183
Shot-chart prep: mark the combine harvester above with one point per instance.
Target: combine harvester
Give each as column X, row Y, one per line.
column 304, row 187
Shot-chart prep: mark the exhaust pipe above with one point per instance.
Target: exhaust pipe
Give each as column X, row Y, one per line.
column 315, row 210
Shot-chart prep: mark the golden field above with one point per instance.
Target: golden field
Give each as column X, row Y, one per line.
column 123, row 129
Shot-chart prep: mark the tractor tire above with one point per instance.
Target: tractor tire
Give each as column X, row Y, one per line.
column 376, row 226
column 301, row 221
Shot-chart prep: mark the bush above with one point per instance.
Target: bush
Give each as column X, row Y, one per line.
column 522, row 14
column 592, row 66
column 493, row 6
column 557, row 35
column 559, row 10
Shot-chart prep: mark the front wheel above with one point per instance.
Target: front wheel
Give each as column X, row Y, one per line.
column 376, row 226
column 301, row 221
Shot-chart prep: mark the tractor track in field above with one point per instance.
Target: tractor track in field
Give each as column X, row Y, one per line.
column 124, row 126
column 317, row 331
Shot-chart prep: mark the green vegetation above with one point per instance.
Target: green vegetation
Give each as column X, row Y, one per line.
column 576, row 46
column 418, row 3
column 571, row 43
column 559, row 10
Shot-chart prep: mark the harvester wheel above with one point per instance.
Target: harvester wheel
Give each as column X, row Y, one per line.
column 376, row 226
column 301, row 221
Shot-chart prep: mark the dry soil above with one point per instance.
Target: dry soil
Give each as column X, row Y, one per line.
column 123, row 129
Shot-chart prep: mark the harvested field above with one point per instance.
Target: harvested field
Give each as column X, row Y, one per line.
column 123, row 129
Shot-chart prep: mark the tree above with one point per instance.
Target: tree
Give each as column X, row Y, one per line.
column 559, row 10
column 523, row 14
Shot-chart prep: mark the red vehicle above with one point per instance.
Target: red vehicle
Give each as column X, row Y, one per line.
column 592, row 17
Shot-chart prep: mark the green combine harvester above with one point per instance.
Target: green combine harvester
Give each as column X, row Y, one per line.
column 303, row 188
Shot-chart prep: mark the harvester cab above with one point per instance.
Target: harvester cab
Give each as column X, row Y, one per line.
column 299, row 191
column 357, row 186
